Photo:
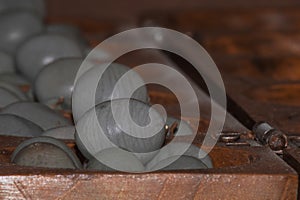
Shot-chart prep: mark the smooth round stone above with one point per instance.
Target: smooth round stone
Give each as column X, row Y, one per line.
column 146, row 157
column 7, row 64
column 106, row 86
column 38, row 114
column 171, row 157
column 14, row 79
column 45, row 152
column 14, row 90
column 182, row 127
column 58, row 104
column 64, row 133
column 41, row 50
column 7, row 98
column 114, row 159
column 64, row 29
column 56, row 81
column 68, row 31
column 37, row 6
column 12, row 125
column 182, row 163
column 99, row 55
column 89, row 49
column 20, row 82
column 149, row 138
column 16, row 27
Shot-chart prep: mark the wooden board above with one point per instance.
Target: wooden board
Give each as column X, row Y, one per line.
column 240, row 172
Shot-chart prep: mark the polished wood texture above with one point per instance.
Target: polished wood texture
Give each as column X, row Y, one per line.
column 257, row 51
column 240, row 172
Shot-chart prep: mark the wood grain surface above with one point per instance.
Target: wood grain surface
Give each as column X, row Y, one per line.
column 240, row 172
column 257, row 52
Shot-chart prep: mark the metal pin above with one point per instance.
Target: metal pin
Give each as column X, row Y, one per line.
column 237, row 144
column 229, row 137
